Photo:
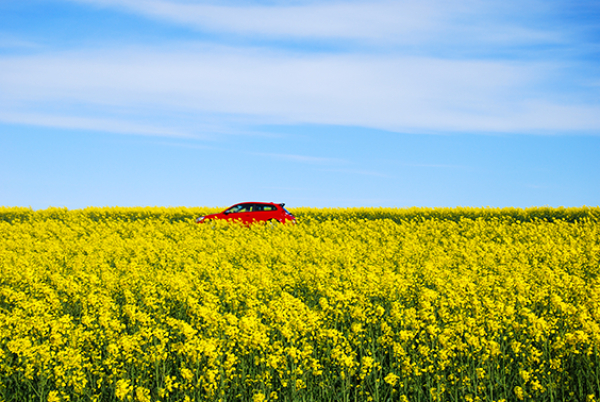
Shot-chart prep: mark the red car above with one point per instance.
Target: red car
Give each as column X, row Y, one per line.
column 251, row 212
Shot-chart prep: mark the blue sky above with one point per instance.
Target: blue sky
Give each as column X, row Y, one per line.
column 313, row 103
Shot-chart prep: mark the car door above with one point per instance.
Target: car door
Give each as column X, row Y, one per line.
column 246, row 213
column 257, row 213
column 239, row 212
column 265, row 212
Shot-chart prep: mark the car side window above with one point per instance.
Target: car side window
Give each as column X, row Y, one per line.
column 238, row 208
column 251, row 208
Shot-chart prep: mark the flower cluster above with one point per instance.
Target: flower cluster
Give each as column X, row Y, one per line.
column 141, row 304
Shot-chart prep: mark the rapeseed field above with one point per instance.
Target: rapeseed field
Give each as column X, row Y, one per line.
column 141, row 304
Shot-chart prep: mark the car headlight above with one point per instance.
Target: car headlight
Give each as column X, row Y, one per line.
column 200, row 219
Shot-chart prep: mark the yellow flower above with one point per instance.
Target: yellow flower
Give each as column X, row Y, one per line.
column 187, row 374
column 123, row 389
column 103, row 294
column 258, row 397
column 142, row 394
column 519, row 393
column 53, row 396
column 391, row 379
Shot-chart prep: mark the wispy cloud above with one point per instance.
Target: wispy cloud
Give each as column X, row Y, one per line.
column 383, row 22
column 412, row 94
column 537, row 186
column 433, row 82
column 109, row 125
column 12, row 42
column 434, row 165
column 361, row 172
column 307, row 159
column 364, row 20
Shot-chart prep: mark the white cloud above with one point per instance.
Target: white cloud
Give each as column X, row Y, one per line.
column 108, row 125
column 375, row 20
column 311, row 160
column 380, row 22
column 434, row 165
column 222, row 88
column 256, row 86
column 361, row 172
column 12, row 42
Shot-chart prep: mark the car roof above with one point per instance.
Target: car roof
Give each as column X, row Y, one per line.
column 257, row 202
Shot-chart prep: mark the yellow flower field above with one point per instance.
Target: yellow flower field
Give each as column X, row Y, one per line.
column 141, row 304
